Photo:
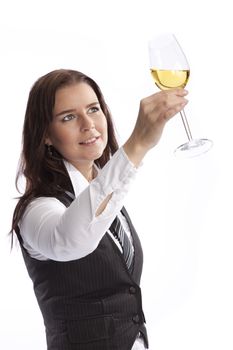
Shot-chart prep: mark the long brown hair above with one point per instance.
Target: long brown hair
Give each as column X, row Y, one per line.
column 46, row 174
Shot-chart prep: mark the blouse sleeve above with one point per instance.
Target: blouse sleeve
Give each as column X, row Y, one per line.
column 52, row 231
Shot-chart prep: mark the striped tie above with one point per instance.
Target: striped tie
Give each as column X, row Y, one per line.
column 119, row 233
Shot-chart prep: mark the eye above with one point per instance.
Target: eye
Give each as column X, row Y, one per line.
column 68, row 117
column 93, row 110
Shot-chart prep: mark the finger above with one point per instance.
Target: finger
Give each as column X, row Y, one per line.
column 166, row 95
column 168, row 102
column 175, row 92
column 174, row 110
column 181, row 92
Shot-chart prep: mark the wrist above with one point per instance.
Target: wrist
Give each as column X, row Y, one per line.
column 134, row 151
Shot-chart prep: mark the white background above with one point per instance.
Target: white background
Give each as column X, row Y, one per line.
column 181, row 208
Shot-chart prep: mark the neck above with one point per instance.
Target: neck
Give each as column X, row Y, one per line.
column 88, row 171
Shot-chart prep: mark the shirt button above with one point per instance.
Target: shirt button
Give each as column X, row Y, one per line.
column 132, row 290
column 136, row 318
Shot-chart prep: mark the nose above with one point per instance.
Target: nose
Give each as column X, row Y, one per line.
column 87, row 123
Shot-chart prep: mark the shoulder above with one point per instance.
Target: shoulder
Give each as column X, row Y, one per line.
column 45, row 201
column 43, row 206
column 39, row 218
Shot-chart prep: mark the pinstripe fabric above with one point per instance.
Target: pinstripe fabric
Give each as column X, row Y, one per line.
column 92, row 303
column 119, row 233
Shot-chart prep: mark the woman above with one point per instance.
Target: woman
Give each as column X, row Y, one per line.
column 70, row 221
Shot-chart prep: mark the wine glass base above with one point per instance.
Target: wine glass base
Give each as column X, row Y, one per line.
column 194, row 148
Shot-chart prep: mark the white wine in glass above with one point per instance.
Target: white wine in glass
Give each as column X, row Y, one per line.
column 170, row 69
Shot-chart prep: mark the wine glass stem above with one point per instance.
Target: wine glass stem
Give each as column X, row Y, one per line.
column 186, row 125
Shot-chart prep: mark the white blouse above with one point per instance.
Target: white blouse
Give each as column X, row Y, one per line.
column 52, row 231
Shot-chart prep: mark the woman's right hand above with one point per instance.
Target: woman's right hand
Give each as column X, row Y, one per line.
column 154, row 112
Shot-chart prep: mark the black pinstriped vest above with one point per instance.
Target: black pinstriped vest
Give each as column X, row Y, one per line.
column 92, row 303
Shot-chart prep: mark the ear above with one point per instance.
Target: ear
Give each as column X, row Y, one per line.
column 48, row 141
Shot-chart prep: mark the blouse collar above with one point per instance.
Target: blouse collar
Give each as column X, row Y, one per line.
column 78, row 181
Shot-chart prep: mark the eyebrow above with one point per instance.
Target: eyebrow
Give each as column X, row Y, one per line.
column 73, row 110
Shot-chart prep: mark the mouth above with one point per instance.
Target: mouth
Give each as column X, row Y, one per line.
column 90, row 141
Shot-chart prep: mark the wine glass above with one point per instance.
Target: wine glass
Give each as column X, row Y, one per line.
column 170, row 69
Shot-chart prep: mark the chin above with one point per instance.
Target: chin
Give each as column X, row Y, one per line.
column 98, row 153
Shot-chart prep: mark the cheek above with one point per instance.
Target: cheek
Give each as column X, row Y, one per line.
column 104, row 131
column 103, row 125
column 60, row 137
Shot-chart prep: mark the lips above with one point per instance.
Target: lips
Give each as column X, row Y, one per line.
column 90, row 141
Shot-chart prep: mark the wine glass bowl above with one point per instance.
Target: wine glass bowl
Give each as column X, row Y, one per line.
column 167, row 79
column 170, row 69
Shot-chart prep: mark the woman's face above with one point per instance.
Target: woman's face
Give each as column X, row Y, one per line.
column 79, row 127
